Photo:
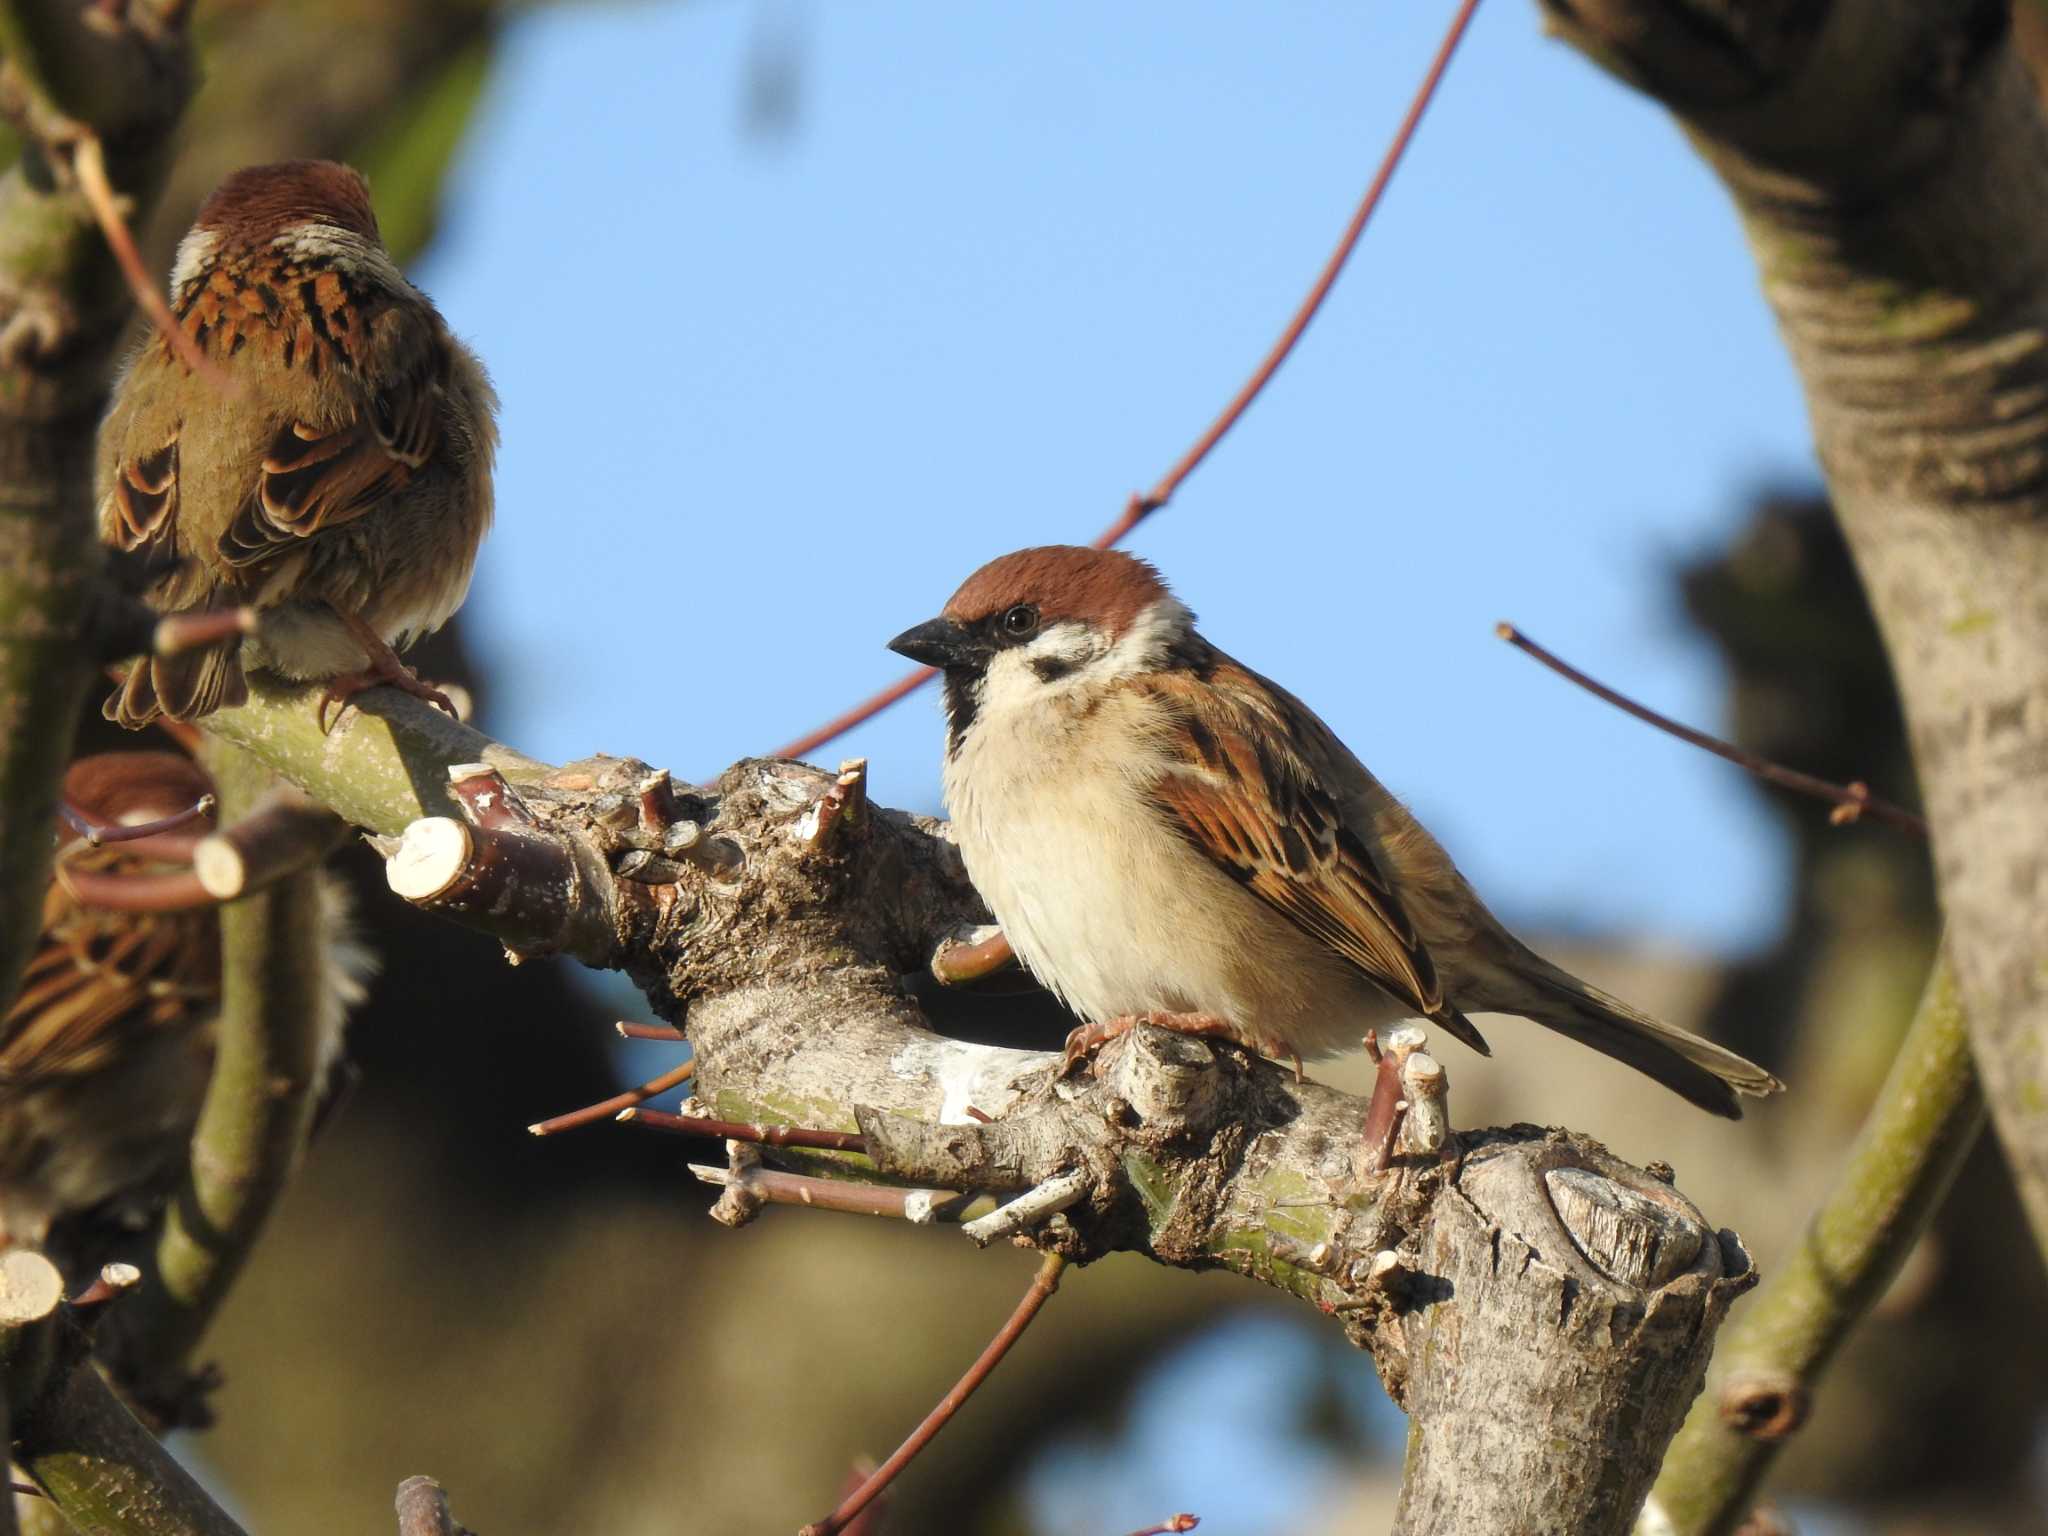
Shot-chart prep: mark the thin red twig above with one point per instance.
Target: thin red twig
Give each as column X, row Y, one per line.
column 1851, row 800
column 735, row 1130
column 95, row 833
column 675, row 1077
column 1043, row 1284
column 89, row 165
column 1143, row 505
column 628, row 1030
column 1172, row 1525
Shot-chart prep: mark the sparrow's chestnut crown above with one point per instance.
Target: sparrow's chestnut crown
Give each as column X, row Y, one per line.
column 252, row 206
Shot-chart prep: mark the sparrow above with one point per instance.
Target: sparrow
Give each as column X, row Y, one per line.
column 104, row 1056
column 335, row 476
column 1163, row 834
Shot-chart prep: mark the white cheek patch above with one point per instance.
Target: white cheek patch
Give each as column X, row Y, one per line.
column 194, row 252
column 318, row 244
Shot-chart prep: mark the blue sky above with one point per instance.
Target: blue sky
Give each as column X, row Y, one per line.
column 768, row 397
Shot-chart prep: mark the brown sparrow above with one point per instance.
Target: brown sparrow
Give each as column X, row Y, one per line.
column 104, row 1056
column 339, row 482
column 1165, row 834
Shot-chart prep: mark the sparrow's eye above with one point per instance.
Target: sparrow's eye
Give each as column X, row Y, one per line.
column 1020, row 621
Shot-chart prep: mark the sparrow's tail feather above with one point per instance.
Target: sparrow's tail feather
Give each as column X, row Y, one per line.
column 184, row 687
column 1709, row 1075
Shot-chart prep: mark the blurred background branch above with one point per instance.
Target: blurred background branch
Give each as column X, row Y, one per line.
column 277, row 1031
column 1761, row 1384
column 62, row 305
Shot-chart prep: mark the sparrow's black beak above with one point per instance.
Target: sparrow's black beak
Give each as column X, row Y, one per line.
column 941, row 643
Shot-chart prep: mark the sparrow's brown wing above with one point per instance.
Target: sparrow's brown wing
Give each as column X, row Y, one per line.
column 317, row 477
column 97, row 977
column 141, row 505
column 1238, row 790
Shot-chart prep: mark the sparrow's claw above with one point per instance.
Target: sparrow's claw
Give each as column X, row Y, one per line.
column 343, row 689
column 1085, row 1041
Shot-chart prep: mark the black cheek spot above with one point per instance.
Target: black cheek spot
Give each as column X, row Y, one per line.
column 1050, row 669
column 963, row 702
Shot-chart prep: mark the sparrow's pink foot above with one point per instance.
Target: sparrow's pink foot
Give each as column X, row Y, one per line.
column 1085, row 1041
column 341, row 689
column 384, row 669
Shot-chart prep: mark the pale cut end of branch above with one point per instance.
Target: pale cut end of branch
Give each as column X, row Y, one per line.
column 1172, row 1525
column 113, row 1282
column 433, row 856
column 284, row 835
column 30, row 1288
column 422, row 1507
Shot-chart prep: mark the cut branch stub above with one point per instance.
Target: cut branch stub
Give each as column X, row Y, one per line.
column 523, row 887
column 1560, row 1287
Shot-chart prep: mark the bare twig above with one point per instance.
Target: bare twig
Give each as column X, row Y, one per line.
column 629, row 1030
column 1030, row 1208
column 177, row 633
column 919, row 1207
column 1851, row 800
column 1143, row 505
column 89, row 165
column 112, row 1283
column 1172, row 1525
column 1043, row 1284
column 973, row 955
column 95, row 833
column 175, row 890
column 733, row 1130
column 675, row 1077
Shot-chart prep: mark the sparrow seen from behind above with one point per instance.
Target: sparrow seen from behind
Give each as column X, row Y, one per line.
column 1164, row 834
column 339, row 484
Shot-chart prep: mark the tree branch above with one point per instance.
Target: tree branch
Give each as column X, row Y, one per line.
column 1926, row 1119
column 62, row 303
column 101, row 1469
column 790, row 917
column 275, row 1012
column 1890, row 165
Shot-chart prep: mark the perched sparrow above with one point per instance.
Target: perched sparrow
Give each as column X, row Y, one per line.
column 340, row 484
column 1163, row 833
column 104, row 1056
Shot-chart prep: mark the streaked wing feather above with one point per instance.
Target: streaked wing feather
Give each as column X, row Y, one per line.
column 315, row 478
column 1240, row 795
column 142, row 505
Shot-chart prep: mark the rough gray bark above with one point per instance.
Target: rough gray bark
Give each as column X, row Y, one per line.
column 1890, row 165
column 783, row 918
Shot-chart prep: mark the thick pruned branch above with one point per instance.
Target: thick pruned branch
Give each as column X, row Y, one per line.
column 785, row 918
column 91, row 1458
